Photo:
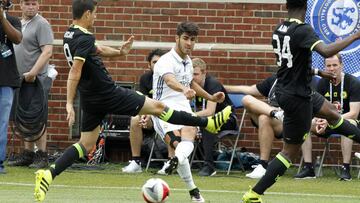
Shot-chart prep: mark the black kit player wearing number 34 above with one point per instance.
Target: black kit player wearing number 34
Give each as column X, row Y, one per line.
column 293, row 42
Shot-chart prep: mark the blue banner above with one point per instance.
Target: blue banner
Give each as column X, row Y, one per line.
column 332, row 20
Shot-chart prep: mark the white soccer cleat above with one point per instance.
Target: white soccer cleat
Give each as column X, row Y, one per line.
column 257, row 173
column 165, row 166
column 133, row 167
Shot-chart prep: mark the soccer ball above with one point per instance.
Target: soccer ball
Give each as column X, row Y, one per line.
column 155, row 190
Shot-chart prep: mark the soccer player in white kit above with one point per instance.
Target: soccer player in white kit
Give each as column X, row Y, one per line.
column 173, row 85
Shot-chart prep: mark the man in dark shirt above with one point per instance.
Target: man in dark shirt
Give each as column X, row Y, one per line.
column 344, row 93
column 138, row 124
column 100, row 96
column 207, row 108
column 293, row 43
column 10, row 32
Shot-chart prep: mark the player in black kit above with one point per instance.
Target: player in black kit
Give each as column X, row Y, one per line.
column 99, row 94
column 293, row 42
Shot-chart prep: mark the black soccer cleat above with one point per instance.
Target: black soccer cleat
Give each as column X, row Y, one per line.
column 172, row 165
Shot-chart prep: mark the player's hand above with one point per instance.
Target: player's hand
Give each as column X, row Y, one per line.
column 218, row 97
column 328, row 75
column 126, row 47
column 29, row 77
column 144, row 120
column 321, row 125
column 70, row 114
column 189, row 93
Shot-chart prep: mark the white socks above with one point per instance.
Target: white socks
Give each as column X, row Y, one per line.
column 185, row 174
column 183, row 150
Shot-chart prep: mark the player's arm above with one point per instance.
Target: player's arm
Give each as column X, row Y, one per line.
column 328, row 50
column 172, row 82
column 72, row 83
column 46, row 53
column 13, row 33
column 243, row 89
column 353, row 112
column 107, row 51
column 209, row 110
column 217, row 97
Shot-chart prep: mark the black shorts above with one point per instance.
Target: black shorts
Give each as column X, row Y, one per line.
column 317, row 102
column 121, row 101
column 297, row 117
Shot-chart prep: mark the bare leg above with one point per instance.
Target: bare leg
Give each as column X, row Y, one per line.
column 136, row 136
column 306, row 148
column 346, row 148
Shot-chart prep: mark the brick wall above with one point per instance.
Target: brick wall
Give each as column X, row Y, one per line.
column 226, row 23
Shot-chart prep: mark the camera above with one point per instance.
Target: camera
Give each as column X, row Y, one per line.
column 5, row 4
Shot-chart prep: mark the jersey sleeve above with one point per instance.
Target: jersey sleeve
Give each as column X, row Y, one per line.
column 44, row 33
column 307, row 37
column 213, row 86
column 264, row 87
column 163, row 67
column 354, row 90
column 85, row 46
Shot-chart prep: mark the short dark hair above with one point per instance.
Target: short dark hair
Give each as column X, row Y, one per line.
column 295, row 4
column 79, row 7
column 338, row 56
column 187, row 27
column 155, row 52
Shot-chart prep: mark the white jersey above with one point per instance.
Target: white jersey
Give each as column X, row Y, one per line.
column 171, row 63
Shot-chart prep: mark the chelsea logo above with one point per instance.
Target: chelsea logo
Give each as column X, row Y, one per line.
column 336, row 19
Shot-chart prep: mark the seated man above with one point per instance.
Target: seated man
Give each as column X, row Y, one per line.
column 140, row 124
column 267, row 117
column 211, row 85
column 344, row 93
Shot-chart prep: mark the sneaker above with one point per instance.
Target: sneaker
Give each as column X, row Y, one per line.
column 251, row 197
column 43, row 180
column 196, row 196
column 279, row 115
column 41, row 160
column 23, row 159
column 306, row 173
column 215, row 122
column 207, row 170
column 173, row 163
column 345, row 174
column 133, row 167
column 162, row 170
column 357, row 155
column 258, row 172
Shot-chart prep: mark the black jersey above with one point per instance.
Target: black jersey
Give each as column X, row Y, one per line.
column 349, row 94
column 95, row 81
column 267, row 89
column 293, row 42
column 212, row 86
column 146, row 82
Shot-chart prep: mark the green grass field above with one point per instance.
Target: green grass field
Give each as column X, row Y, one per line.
column 111, row 185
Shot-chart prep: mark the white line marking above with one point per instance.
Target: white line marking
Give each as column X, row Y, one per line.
column 177, row 189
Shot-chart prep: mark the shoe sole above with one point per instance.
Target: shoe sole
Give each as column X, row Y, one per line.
column 304, row 178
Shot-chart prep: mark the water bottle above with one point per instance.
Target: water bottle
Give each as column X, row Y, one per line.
column 317, row 166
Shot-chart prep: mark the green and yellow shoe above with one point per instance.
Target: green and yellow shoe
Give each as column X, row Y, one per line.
column 251, row 197
column 43, row 180
column 215, row 122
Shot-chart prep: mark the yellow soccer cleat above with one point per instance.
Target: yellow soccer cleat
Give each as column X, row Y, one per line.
column 43, row 180
column 251, row 197
column 215, row 122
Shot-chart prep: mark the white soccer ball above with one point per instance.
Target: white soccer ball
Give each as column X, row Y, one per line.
column 155, row 190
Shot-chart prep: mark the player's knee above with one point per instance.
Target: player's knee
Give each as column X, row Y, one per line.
column 264, row 119
column 158, row 108
column 173, row 139
column 247, row 100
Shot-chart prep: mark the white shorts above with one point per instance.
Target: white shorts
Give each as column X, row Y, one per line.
column 162, row 127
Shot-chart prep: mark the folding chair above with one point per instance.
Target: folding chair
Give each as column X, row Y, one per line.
column 237, row 102
column 318, row 166
column 155, row 137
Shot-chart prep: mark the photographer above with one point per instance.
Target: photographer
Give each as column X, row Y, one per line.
column 10, row 32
